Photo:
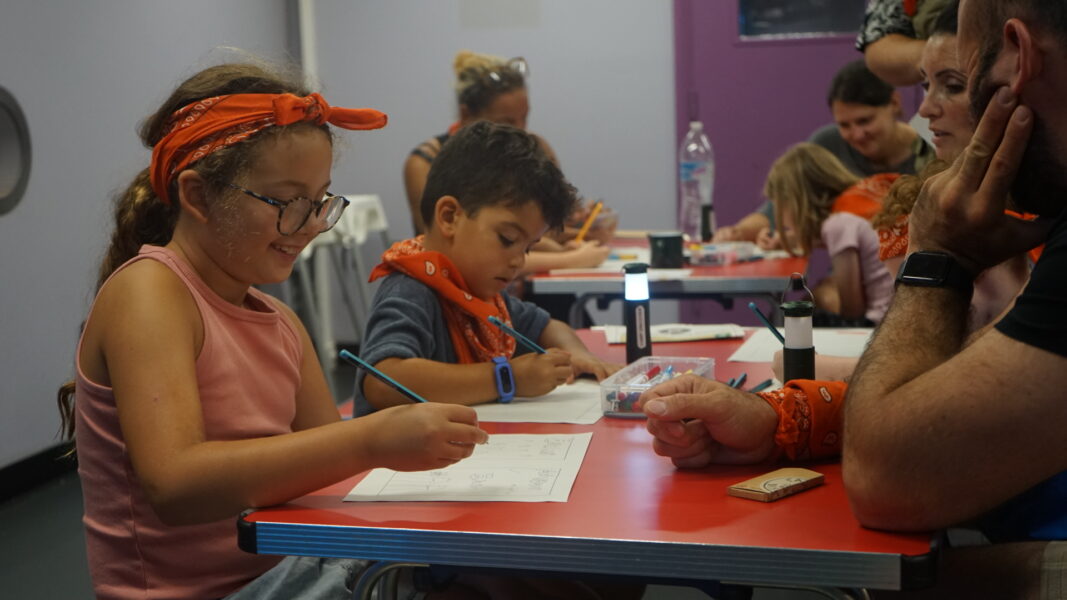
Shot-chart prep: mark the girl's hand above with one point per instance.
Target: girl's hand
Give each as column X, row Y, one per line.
column 418, row 437
column 767, row 239
column 584, row 362
column 539, row 374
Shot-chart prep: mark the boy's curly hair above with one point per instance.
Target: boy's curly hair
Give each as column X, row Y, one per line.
column 486, row 164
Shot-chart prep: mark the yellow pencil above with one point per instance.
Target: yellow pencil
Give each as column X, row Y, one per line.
column 589, row 221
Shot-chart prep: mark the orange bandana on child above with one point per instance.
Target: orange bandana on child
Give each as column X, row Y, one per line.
column 864, row 198
column 473, row 337
column 893, row 240
column 198, row 129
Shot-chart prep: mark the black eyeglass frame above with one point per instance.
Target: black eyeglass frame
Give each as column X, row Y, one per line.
column 315, row 206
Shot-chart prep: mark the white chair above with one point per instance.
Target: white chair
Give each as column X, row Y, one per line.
column 339, row 250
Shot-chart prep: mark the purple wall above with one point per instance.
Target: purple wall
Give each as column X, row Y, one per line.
column 755, row 98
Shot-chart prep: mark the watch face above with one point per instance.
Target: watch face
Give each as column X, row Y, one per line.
column 925, row 266
column 506, row 380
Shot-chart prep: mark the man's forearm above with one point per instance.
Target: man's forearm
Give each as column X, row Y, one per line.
column 923, row 328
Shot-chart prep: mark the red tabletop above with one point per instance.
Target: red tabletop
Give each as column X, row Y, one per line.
column 625, row 499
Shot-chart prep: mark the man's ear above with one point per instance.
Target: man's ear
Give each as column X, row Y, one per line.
column 192, row 194
column 1024, row 53
column 446, row 215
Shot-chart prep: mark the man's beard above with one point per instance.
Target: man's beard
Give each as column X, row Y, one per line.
column 1040, row 186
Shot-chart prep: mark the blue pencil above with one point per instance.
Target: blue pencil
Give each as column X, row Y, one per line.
column 766, row 322
column 532, row 345
column 759, row 387
column 396, row 385
column 740, row 381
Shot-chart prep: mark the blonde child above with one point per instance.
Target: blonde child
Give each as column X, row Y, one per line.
column 491, row 195
column 819, row 203
column 198, row 396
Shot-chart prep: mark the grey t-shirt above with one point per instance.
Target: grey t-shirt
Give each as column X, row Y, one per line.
column 406, row 321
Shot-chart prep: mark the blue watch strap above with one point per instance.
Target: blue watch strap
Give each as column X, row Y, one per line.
column 505, row 379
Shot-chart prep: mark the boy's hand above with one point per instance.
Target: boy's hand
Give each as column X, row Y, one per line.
column 417, row 437
column 539, row 374
column 584, row 362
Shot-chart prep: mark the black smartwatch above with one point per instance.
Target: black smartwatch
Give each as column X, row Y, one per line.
column 935, row 269
column 505, row 379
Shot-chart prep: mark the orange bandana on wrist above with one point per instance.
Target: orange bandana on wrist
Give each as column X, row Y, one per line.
column 198, row 129
column 473, row 337
column 810, row 418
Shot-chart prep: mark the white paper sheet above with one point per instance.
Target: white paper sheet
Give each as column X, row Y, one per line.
column 577, row 403
column 510, row 468
column 675, row 332
column 830, row 342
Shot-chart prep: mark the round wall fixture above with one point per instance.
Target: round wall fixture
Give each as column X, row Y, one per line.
column 14, row 152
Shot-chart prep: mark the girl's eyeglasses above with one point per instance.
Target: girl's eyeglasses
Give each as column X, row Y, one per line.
column 293, row 214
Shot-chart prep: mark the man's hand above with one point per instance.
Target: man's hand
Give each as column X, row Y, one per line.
column 697, row 422
column 961, row 210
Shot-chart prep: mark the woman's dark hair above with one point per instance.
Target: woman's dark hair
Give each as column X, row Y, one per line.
column 486, row 164
column 480, row 78
column 856, row 84
column 947, row 21
column 140, row 217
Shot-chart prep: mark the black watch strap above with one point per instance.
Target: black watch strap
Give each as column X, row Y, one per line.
column 935, row 269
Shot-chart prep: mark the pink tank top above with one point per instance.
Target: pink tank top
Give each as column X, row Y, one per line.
column 248, row 372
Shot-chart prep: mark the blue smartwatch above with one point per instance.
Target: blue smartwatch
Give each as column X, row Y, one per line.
column 505, row 379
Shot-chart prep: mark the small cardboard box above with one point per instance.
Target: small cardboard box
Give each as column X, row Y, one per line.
column 776, row 484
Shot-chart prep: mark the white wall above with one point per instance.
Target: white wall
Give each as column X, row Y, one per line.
column 86, row 72
column 601, row 89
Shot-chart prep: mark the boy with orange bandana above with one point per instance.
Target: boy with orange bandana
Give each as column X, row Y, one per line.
column 490, row 195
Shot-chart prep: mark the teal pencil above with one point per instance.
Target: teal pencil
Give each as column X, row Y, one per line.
column 522, row 339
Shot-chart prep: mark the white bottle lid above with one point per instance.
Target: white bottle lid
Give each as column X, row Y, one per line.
column 698, row 125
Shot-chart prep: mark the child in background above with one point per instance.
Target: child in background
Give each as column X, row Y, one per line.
column 492, row 88
column 198, row 396
column 819, row 203
column 491, row 194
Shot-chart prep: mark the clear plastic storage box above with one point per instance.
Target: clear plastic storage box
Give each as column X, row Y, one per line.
column 619, row 393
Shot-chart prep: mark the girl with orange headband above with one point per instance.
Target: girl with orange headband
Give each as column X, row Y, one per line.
column 198, row 396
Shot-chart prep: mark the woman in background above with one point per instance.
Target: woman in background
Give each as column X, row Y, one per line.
column 490, row 88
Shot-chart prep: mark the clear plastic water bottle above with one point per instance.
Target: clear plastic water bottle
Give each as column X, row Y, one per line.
column 696, row 179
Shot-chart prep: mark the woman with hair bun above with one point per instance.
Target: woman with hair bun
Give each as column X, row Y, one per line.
column 492, row 88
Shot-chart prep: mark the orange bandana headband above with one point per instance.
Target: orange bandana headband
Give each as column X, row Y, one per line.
column 198, row 129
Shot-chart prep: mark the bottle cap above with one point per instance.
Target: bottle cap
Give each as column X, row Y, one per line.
column 798, row 308
column 696, row 125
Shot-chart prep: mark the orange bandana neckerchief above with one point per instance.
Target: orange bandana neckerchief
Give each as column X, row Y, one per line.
column 473, row 337
column 864, row 198
column 198, row 129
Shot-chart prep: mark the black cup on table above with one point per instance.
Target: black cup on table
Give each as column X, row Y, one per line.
column 666, row 249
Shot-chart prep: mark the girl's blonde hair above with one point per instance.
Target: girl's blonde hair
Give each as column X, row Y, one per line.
column 804, row 182
column 482, row 77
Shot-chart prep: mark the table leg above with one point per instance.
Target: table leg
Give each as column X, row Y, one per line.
column 372, row 575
